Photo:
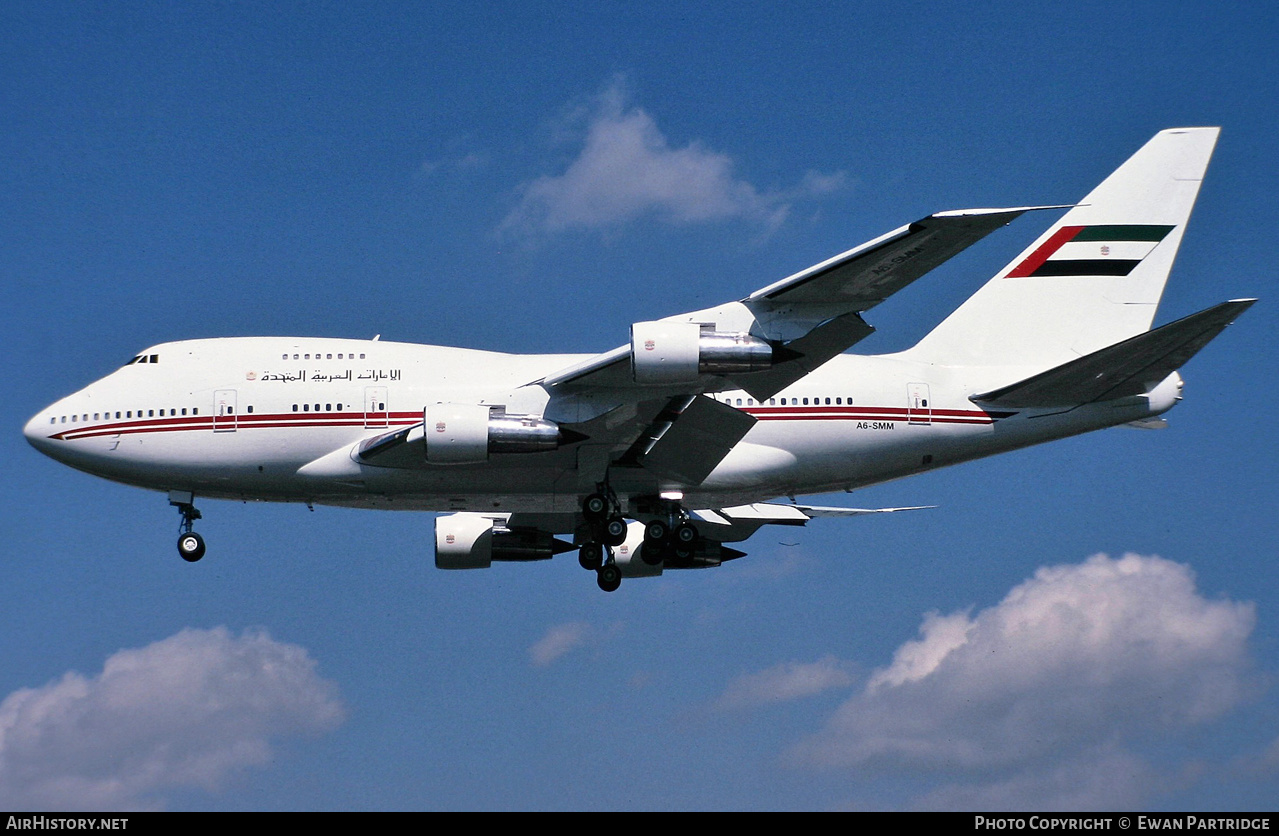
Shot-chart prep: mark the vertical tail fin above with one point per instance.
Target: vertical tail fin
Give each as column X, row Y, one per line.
column 1095, row 277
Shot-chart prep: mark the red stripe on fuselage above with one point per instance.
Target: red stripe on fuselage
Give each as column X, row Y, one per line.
column 372, row 420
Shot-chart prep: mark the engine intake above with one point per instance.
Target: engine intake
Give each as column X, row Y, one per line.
column 677, row 352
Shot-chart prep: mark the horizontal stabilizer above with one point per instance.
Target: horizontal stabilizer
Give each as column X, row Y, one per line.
column 1132, row 367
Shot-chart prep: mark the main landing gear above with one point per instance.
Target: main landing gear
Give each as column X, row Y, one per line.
column 607, row 530
column 671, row 537
column 190, row 544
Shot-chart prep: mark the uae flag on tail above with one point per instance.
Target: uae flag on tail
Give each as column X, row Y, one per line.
column 1100, row 250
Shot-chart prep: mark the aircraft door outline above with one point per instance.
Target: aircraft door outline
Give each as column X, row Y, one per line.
column 376, row 413
column 918, row 410
column 225, row 417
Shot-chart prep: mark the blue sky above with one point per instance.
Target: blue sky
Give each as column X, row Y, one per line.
column 433, row 174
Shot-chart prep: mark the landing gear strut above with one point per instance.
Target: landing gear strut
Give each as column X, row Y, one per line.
column 607, row 527
column 190, row 544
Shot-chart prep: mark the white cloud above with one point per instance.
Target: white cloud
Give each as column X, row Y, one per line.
column 559, row 641
column 785, row 682
column 1071, row 666
column 190, row 711
column 1102, row 779
column 628, row 169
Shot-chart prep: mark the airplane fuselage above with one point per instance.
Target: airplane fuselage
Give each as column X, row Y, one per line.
column 255, row 419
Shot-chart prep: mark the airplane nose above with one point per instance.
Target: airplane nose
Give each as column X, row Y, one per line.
column 37, row 432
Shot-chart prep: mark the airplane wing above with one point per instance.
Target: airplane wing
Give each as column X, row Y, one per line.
column 732, row 525
column 867, row 275
column 640, row 400
column 814, row 314
column 723, row 525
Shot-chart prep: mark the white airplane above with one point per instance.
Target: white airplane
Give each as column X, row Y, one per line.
column 654, row 455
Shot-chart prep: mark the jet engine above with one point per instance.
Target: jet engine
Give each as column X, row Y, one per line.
column 677, row 352
column 474, row 541
column 468, row 433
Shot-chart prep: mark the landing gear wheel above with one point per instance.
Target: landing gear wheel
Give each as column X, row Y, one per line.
column 615, row 531
column 686, row 534
column 591, row 556
column 655, row 533
column 595, row 507
column 609, row 577
column 653, row 553
column 191, row 546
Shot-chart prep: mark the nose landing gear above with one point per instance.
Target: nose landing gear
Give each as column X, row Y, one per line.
column 190, row 544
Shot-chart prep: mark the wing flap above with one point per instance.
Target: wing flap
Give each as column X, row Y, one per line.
column 695, row 440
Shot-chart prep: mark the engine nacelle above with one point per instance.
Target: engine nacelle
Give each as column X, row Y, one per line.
column 474, row 541
column 629, row 555
column 468, row 433
column 677, row 352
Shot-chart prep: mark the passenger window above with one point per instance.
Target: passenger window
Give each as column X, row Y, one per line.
column 306, row 407
column 295, row 407
column 195, row 410
column 328, row 357
column 339, row 407
column 250, row 408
